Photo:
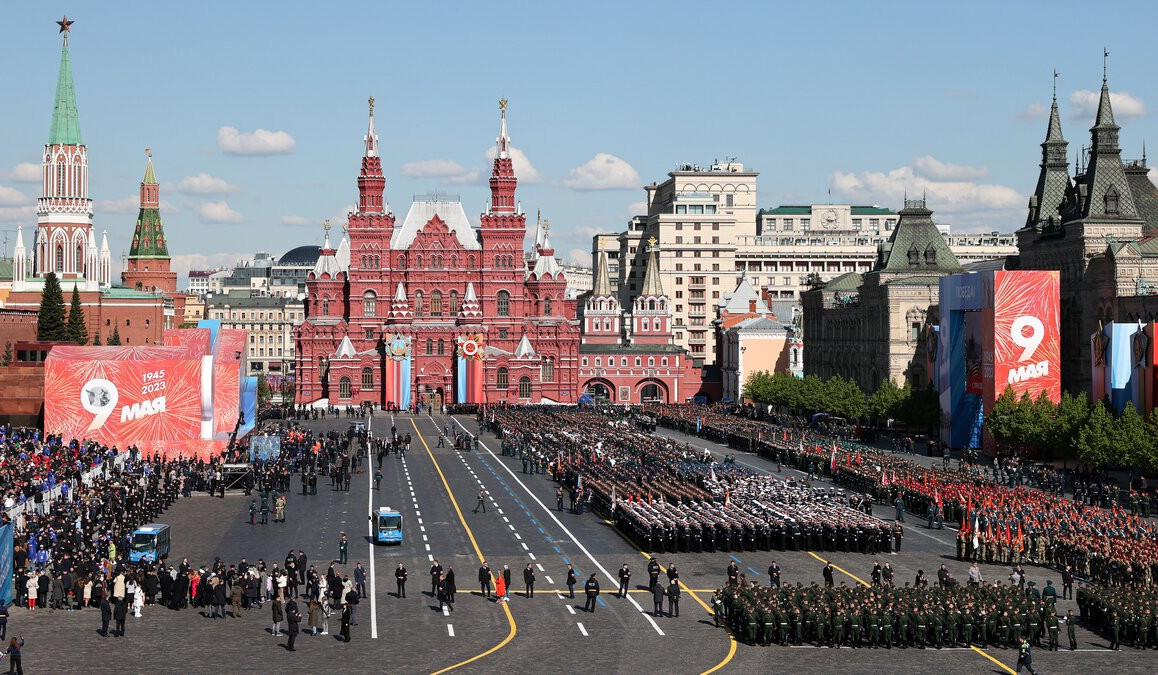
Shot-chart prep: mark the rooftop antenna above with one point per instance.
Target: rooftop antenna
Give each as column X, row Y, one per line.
column 1055, row 74
column 1105, row 63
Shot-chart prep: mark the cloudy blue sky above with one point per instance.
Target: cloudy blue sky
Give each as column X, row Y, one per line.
column 255, row 110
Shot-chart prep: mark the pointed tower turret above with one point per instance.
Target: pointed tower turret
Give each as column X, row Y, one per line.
column 1102, row 191
column 19, row 261
column 105, row 263
column 470, row 310
column 326, row 283
column 63, row 210
column 371, row 225
column 371, row 181
column 651, row 313
column 602, row 316
column 1045, row 206
column 400, row 306
column 503, row 179
column 148, row 263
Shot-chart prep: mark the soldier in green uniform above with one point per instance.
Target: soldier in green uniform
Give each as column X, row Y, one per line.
column 954, row 620
column 937, row 626
column 1071, row 630
column 855, row 628
column 753, row 626
column 886, row 623
column 821, row 633
column 1033, row 628
column 968, row 618
column 1051, row 625
column 1115, row 630
column 873, row 623
column 919, row 633
column 838, row 622
column 264, row 508
column 903, row 628
column 782, row 619
column 798, row 626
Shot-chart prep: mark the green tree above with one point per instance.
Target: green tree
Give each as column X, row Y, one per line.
column 115, row 338
column 287, row 391
column 759, row 387
column 264, row 393
column 96, row 340
column 76, row 329
column 1069, row 416
column 1000, row 421
column 7, row 358
column 921, row 408
column 886, row 402
column 50, row 323
column 1129, row 439
column 1095, row 439
column 843, row 398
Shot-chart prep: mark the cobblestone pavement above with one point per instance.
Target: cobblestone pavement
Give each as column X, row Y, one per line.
column 436, row 489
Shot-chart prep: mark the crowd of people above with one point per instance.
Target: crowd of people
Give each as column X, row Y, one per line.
column 670, row 497
column 1009, row 513
column 1124, row 615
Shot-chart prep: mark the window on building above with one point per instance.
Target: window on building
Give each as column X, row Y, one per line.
column 418, row 305
column 584, row 361
column 638, row 362
column 454, row 303
column 369, row 304
column 547, row 306
column 344, row 387
column 524, row 387
column 502, row 379
column 930, row 255
column 663, row 362
column 429, row 346
column 504, row 303
column 441, row 347
column 728, row 199
column 502, row 333
column 914, row 255
column 547, row 373
column 1112, row 201
column 325, row 306
column 651, row 362
column 367, row 378
column 435, row 303
column 787, row 224
column 915, row 331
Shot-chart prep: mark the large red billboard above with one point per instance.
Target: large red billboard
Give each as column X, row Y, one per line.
column 1027, row 333
column 118, row 395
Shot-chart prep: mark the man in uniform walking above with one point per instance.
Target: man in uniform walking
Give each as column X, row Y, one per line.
column 571, row 580
column 482, row 504
column 673, row 599
column 657, row 595
column 435, row 577
column 1071, row 625
column 343, row 549
column 652, row 573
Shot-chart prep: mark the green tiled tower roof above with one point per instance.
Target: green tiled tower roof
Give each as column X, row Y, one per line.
column 916, row 246
column 149, row 236
column 65, row 118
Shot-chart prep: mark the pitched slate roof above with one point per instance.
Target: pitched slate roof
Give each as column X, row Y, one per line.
column 1145, row 197
column 915, row 232
column 423, row 211
column 849, row 281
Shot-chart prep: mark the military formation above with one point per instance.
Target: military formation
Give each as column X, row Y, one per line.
column 1125, row 616
column 885, row 616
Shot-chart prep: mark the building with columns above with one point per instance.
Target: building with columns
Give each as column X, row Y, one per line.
column 436, row 309
column 64, row 242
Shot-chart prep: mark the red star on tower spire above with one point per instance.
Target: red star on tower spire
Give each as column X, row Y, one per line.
column 65, row 25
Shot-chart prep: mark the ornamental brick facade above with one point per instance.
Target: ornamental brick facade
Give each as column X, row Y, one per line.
column 436, row 309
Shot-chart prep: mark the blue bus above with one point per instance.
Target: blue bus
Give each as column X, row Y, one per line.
column 150, row 543
column 388, row 526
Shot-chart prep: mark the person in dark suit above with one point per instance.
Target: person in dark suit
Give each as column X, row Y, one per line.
column 529, row 580
column 293, row 617
column 345, row 634
column 400, row 576
column 106, row 616
column 624, row 580
column 658, row 592
column 120, row 612
column 507, row 577
column 484, row 579
column 435, row 578
column 673, row 599
column 571, row 581
column 590, row 589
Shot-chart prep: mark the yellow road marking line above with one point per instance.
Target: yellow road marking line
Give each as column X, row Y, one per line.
column 477, row 551
column 707, row 608
column 862, row 582
column 986, row 655
column 839, row 569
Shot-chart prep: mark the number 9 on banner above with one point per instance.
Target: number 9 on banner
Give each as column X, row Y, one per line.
column 1028, row 343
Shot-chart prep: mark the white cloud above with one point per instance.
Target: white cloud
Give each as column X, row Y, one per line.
column 578, row 256
column 21, row 215
column 1152, row 174
column 296, row 220
column 181, row 264
column 1033, row 111
column 26, row 172
column 472, row 177
column 636, row 209
column 256, row 142
column 603, row 172
column 206, row 184
column 1085, row 104
column 935, row 169
column 12, row 197
column 432, row 168
column 130, row 204
column 524, row 170
column 218, row 212
column 968, row 203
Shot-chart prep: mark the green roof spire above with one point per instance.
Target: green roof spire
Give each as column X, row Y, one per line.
column 65, row 118
column 150, row 177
